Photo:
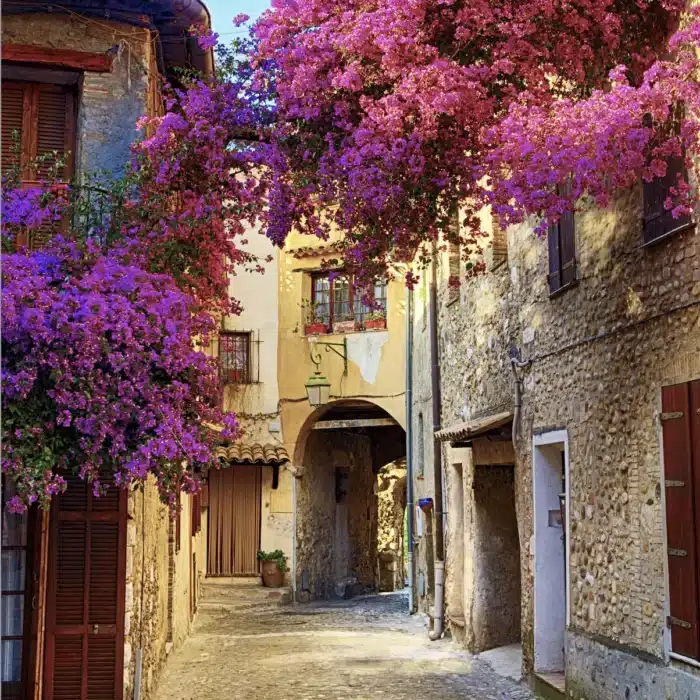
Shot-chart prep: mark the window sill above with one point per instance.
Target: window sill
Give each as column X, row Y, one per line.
column 660, row 239
column 684, row 660
column 563, row 288
column 331, row 333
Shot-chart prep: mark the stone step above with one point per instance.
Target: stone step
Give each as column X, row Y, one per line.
column 241, row 593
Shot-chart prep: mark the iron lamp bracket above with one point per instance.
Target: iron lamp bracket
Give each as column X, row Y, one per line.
column 330, row 347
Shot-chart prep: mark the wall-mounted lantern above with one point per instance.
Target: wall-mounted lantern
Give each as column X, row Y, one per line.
column 318, row 388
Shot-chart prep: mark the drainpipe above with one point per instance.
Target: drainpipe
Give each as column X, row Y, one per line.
column 409, row 449
column 294, row 538
column 439, row 539
column 516, row 364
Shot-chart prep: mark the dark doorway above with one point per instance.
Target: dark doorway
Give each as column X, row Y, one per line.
column 497, row 558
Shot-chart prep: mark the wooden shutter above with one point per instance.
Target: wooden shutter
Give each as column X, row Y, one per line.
column 561, row 241
column 85, row 610
column 682, row 490
column 44, row 116
column 499, row 243
column 658, row 221
column 13, row 110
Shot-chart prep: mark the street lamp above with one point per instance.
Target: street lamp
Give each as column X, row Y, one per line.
column 318, row 390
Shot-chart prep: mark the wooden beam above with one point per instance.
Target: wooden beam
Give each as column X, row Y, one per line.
column 66, row 58
column 354, row 423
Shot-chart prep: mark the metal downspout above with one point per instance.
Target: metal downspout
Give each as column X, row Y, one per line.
column 439, row 538
column 410, row 513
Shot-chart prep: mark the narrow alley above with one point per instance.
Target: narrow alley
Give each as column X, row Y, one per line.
column 367, row 647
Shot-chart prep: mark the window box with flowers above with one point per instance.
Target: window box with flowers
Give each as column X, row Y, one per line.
column 375, row 321
column 342, row 307
column 346, row 325
column 317, row 321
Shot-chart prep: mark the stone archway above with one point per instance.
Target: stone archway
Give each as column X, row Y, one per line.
column 341, row 450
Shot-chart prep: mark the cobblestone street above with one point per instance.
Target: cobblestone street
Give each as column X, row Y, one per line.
column 354, row 650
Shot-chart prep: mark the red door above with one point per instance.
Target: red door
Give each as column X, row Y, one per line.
column 85, row 601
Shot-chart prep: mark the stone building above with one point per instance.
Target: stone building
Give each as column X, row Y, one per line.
column 95, row 585
column 600, row 323
column 351, row 355
column 250, row 500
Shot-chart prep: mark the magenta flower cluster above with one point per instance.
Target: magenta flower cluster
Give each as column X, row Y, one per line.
column 390, row 111
column 100, row 374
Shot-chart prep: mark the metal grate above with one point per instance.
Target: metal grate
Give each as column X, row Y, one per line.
column 234, row 358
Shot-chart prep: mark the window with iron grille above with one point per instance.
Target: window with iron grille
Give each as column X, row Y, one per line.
column 234, row 357
column 335, row 298
column 658, row 221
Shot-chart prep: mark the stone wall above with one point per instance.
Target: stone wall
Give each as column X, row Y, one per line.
column 600, row 352
column 110, row 103
column 391, row 504
column 159, row 583
column 335, row 540
column 422, row 442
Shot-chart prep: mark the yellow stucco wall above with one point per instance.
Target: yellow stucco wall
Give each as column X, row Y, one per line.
column 376, row 358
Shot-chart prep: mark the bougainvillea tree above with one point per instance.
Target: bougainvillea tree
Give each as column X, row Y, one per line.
column 392, row 111
column 102, row 329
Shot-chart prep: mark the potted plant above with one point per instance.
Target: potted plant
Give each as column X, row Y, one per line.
column 273, row 568
column 317, row 323
column 376, row 319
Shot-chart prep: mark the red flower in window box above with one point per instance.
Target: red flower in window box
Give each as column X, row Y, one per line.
column 375, row 323
column 316, row 328
column 346, row 326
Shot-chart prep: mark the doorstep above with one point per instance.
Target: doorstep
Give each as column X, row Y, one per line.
column 549, row 686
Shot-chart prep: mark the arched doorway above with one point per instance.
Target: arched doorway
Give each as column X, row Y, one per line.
column 341, row 449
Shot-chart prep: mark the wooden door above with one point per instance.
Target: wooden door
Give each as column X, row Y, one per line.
column 681, row 450
column 234, row 521
column 85, row 600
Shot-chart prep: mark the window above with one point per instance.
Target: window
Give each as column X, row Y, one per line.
column 234, row 357
column 16, row 582
column 561, row 239
column 680, row 421
column 499, row 243
column 43, row 116
column 335, row 299
column 196, row 503
column 178, row 523
column 658, row 221
column 454, row 272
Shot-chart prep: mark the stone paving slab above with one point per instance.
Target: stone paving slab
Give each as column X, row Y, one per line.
column 359, row 649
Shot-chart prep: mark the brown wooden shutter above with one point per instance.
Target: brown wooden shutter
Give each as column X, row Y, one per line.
column 85, row 611
column 561, row 241
column 658, row 221
column 12, row 116
column 499, row 243
column 45, row 117
column 681, row 526
column 55, row 127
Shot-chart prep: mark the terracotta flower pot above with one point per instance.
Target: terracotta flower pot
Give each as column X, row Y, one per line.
column 316, row 329
column 375, row 323
column 346, row 326
column 271, row 575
